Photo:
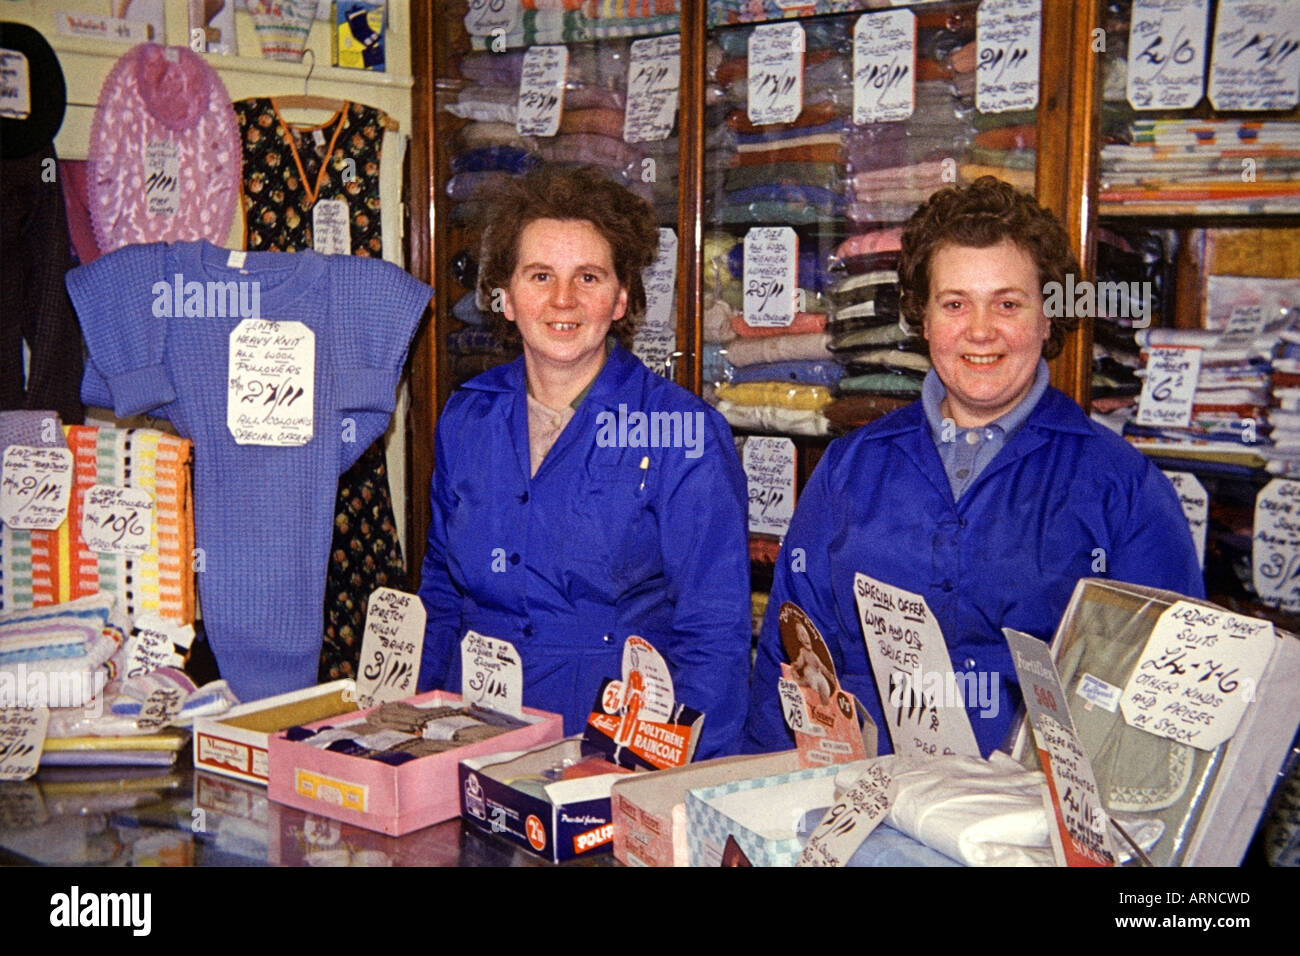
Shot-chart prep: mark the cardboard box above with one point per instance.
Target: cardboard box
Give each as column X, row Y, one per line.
column 235, row 743
column 649, row 810
column 760, row 814
column 380, row 796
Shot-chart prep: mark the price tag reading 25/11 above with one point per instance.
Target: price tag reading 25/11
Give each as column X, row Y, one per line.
column 491, row 674
column 771, row 271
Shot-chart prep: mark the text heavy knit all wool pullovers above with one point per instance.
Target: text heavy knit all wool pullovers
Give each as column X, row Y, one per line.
column 262, row 513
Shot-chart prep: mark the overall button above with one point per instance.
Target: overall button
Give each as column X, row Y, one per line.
column 523, row 499
column 947, row 585
column 969, row 663
column 963, row 472
column 514, row 558
column 972, row 438
column 528, row 630
column 608, row 638
column 961, row 522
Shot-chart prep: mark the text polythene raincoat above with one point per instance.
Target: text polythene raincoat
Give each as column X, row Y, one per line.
column 594, row 547
column 1063, row 500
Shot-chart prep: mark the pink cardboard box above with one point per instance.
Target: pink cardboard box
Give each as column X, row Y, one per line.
column 380, row 796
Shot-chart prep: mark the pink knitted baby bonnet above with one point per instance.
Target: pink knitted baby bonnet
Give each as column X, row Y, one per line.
column 159, row 95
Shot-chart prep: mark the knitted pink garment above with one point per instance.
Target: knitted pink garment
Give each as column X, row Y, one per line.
column 158, row 95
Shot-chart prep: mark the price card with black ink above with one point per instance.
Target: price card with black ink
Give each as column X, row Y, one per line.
column 775, row 73
column 1007, row 37
column 391, row 647
column 1275, row 547
column 117, row 520
column 488, row 17
column 1169, row 386
column 541, row 90
column 769, row 471
column 270, row 398
column 653, row 78
column 771, row 272
column 491, row 674
column 849, row 822
column 1195, row 502
column 1256, row 51
column 162, row 182
column 35, row 486
column 22, row 738
column 884, row 67
column 1166, row 54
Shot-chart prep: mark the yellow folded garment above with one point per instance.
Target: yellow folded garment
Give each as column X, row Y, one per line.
column 1022, row 179
column 780, row 394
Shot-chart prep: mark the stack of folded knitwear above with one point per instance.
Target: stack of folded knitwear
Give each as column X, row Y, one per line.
column 569, row 21
column 1283, row 457
column 1133, row 263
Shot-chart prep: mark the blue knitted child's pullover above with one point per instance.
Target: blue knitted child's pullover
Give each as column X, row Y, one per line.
column 263, row 514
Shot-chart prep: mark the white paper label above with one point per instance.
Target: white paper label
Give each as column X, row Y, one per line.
column 1098, row 692
column 1275, row 549
column 491, row 674
column 655, row 347
column 1080, row 814
column 771, row 274
column 1007, row 36
column 653, row 80
column 1196, row 508
column 153, row 644
column 776, row 73
column 22, row 738
column 1197, row 674
column 795, row 708
column 35, row 486
column 850, row 821
column 117, row 520
column 923, row 703
column 390, row 647
column 160, row 708
column 1166, row 54
column 272, row 373
column 884, row 67
column 646, row 672
column 769, row 469
column 660, row 281
column 162, row 178
column 541, row 90
column 1256, row 50
column 1169, row 387
column 331, row 233
column 486, row 17
column 15, row 85
column 101, row 28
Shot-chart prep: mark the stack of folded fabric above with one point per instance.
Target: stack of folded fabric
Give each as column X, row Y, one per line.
column 1283, row 455
column 567, row 21
column 1132, row 265
column 69, row 644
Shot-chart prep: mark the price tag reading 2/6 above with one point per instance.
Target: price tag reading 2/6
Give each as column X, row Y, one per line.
column 35, row 487
column 541, row 90
column 769, row 467
column 849, row 822
column 390, row 647
column 884, row 67
column 653, row 79
column 776, row 73
column 1171, row 376
column 1197, row 674
column 1166, row 54
column 1275, row 548
column 1256, row 46
column 1007, row 34
column 117, row 520
column 491, row 674
column 270, row 399
column 771, row 273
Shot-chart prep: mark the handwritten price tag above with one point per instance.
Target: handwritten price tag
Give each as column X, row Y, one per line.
column 884, row 67
column 1256, row 49
column 117, row 520
column 850, row 821
column 22, row 738
column 1169, row 387
column 15, row 85
column 35, row 487
column 160, row 708
column 162, row 178
column 1166, row 54
column 487, row 16
column 1007, row 34
column 925, row 715
column 331, row 231
column 1275, row 550
column 491, row 674
column 153, row 644
column 771, row 272
column 769, row 467
column 1196, row 507
column 776, row 73
column 541, row 90
column 390, row 647
column 653, row 79
column 1197, row 674
column 272, row 374
column 660, row 281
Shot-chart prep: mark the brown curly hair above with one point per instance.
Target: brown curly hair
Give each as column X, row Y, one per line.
column 983, row 214
column 625, row 220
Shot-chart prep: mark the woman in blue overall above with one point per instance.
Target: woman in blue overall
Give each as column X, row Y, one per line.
column 579, row 498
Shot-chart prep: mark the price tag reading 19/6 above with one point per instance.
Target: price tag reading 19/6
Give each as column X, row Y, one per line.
column 117, row 520
column 771, row 272
column 776, row 73
column 35, row 486
column 491, row 674
column 541, row 90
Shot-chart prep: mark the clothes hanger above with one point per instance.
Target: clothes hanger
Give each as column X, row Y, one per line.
column 306, row 101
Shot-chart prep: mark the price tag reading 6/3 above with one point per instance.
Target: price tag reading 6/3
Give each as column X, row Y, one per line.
column 35, row 486
column 117, row 520
column 271, row 393
column 491, row 674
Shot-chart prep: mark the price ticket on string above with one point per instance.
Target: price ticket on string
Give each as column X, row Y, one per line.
column 162, row 178
column 1007, row 38
column 1256, row 48
column 1080, row 813
column 1169, row 386
column 849, row 822
column 390, row 647
column 271, row 391
column 653, row 79
column 541, row 90
column 491, row 674
column 1195, row 502
column 1197, row 674
column 35, row 487
column 884, row 67
column 116, row 519
column 769, row 469
column 770, row 276
column 1275, row 545
column 775, row 67
column 1166, row 54
column 331, row 228
column 22, row 738
column 488, row 17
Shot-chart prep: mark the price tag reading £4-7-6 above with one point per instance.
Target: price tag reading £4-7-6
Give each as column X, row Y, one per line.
column 491, row 674
column 270, row 398
column 22, row 738
column 117, row 520
column 850, row 821
column 35, row 485
column 391, row 647
column 1197, row 674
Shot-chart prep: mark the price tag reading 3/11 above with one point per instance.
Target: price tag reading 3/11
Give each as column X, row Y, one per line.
column 541, row 90
column 1007, row 34
column 117, row 520
column 884, row 67
column 775, row 73
column 1197, row 674
column 22, row 738
column 271, row 396
column 1169, row 386
column 1166, row 54
column 390, row 648
column 769, row 468
column 771, row 272
column 1256, row 47
column 849, row 822
column 491, row 674
column 35, row 487
column 653, row 79
column 1275, row 548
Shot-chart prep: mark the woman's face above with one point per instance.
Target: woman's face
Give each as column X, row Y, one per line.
column 564, row 294
column 985, row 324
